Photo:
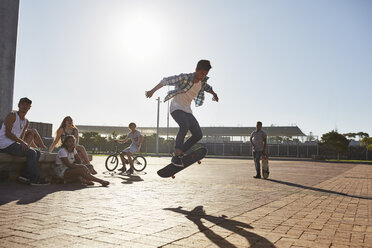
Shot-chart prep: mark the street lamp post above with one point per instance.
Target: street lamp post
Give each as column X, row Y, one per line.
column 168, row 119
column 157, row 128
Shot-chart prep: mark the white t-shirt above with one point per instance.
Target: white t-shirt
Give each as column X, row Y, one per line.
column 134, row 137
column 182, row 101
column 17, row 130
column 258, row 140
column 63, row 153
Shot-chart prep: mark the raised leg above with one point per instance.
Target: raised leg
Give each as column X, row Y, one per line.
column 32, row 137
column 85, row 159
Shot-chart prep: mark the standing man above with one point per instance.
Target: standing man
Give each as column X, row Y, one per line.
column 258, row 141
column 16, row 140
column 188, row 87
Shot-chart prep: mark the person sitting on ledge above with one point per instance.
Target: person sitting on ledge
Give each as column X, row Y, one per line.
column 67, row 127
column 68, row 164
column 16, row 139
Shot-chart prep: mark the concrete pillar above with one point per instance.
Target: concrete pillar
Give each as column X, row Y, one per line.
column 9, row 10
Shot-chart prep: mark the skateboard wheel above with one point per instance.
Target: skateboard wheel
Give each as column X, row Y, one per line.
column 199, row 162
column 173, row 176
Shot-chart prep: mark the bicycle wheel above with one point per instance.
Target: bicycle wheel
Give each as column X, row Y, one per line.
column 139, row 163
column 112, row 162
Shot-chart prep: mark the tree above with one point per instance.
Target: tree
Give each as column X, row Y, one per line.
column 113, row 136
column 350, row 135
column 335, row 141
column 367, row 142
column 89, row 135
column 361, row 135
column 93, row 140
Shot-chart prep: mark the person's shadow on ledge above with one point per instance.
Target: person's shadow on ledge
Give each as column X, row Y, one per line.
column 26, row 194
column 318, row 189
column 198, row 213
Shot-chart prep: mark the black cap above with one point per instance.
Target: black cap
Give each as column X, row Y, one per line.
column 25, row 99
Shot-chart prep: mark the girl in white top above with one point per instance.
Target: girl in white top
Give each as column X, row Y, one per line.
column 67, row 127
column 68, row 164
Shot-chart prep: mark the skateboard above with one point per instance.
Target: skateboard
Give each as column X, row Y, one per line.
column 195, row 156
column 265, row 167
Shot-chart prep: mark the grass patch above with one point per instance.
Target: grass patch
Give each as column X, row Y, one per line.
column 350, row 161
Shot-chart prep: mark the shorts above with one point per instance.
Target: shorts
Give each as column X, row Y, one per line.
column 60, row 169
column 131, row 149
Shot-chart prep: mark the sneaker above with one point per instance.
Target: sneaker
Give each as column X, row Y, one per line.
column 123, row 169
column 130, row 171
column 177, row 160
column 23, row 180
column 257, row 176
column 40, row 182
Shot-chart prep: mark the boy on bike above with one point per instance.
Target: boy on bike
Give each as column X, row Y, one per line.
column 137, row 140
column 188, row 87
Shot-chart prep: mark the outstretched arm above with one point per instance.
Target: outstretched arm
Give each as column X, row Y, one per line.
column 121, row 141
column 151, row 92
column 172, row 80
column 215, row 97
column 209, row 89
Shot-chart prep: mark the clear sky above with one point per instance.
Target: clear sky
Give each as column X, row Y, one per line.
column 304, row 63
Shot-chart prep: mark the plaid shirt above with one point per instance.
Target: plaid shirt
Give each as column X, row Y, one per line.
column 183, row 83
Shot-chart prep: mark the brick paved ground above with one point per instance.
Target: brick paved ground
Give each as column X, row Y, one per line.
column 216, row 204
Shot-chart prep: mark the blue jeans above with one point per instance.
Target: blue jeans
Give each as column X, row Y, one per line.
column 31, row 170
column 256, row 158
column 186, row 122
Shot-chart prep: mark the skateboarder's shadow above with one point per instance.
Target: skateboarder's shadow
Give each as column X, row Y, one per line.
column 198, row 213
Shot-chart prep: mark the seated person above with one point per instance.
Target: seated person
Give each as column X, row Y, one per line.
column 137, row 140
column 16, row 139
column 67, row 127
column 68, row 164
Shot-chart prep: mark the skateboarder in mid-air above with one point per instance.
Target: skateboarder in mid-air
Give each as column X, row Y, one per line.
column 188, row 87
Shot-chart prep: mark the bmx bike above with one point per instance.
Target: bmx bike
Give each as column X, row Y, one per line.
column 112, row 161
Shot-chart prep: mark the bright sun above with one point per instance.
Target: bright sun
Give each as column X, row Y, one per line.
column 141, row 37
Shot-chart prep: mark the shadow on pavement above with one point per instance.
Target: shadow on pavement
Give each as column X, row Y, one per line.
column 318, row 189
column 127, row 178
column 26, row 194
column 198, row 213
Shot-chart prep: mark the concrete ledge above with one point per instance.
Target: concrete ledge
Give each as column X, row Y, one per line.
column 44, row 157
column 10, row 166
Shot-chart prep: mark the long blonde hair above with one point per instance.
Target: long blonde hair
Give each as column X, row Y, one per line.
column 62, row 126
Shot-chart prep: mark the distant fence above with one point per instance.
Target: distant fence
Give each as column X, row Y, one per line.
column 300, row 150
column 274, row 150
